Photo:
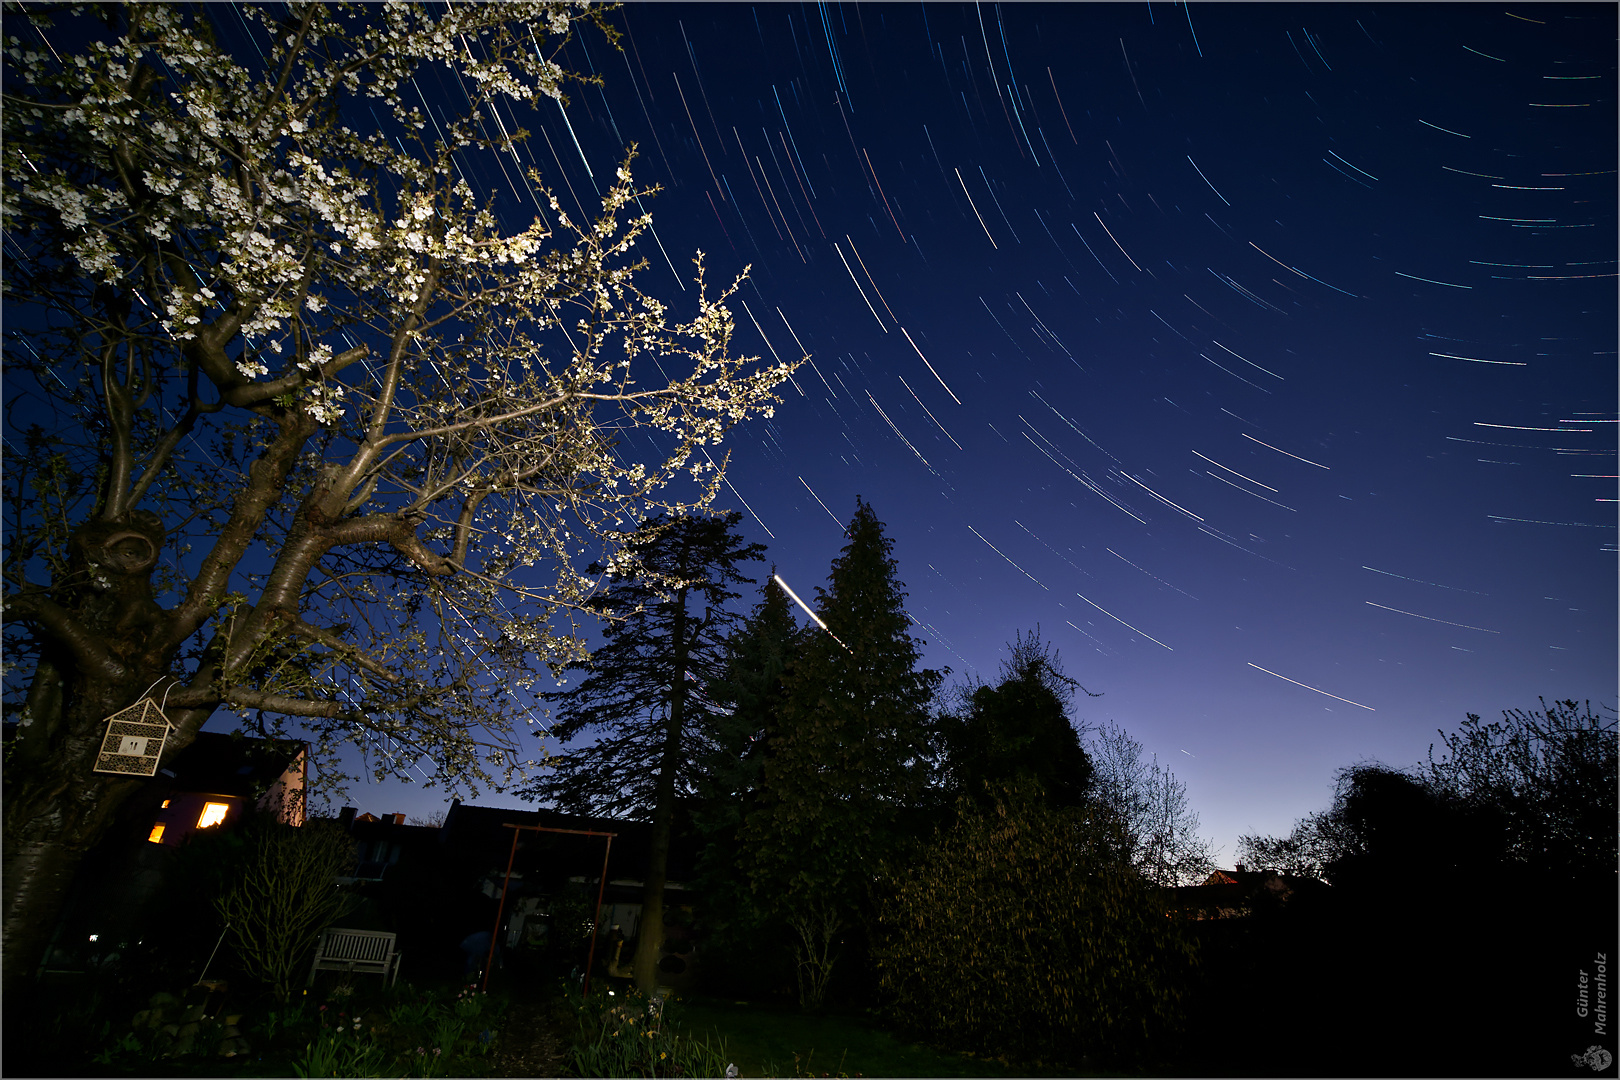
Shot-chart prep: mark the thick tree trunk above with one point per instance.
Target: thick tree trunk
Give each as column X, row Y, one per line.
column 53, row 816
column 650, row 936
column 38, row 877
column 108, row 650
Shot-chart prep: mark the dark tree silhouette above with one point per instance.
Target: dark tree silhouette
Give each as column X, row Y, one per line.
column 1533, row 792
column 849, row 755
column 1493, row 867
column 666, row 639
column 1020, row 727
column 1549, row 776
column 747, row 698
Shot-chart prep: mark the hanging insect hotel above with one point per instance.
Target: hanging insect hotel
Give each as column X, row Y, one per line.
column 134, row 740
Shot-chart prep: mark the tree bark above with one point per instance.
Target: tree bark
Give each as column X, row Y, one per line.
column 650, row 934
column 106, row 647
column 54, row 815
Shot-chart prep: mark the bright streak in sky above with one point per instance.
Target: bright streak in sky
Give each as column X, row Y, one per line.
column 1161, row 498
column 976, row 213
column 927, row 410
column 1003, row 554
column 785, row 588
column 1117, row 244
column 742, row 500
column 816, row 497
column 1086, row 482
column 897, row 430
column 1122, row 622
column 869, row 280
column 1234, row 472
column 1246, row 491
column 1245, row 359
column 1296, row 457
column 1521, row 427
column 858, row 288
column 930, row 367
column 1313, row 689
column 1201, row 176
column 1477, row 360
column 1448, row 622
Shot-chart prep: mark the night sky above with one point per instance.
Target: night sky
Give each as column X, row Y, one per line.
column 1263, row 356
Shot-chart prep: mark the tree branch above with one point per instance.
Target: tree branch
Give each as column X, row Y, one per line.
column 88, row 649
column 266, row 480
column 249, row 394
column 345, row 648
column 241, row 697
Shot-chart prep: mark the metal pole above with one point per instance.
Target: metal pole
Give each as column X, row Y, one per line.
column 213, row 954
column 494, row 933
column 590, row 959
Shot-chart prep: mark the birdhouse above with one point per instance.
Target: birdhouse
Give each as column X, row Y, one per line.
column 134, row 741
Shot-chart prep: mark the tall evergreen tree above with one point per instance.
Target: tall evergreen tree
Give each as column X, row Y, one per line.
column 848, row 756
column 669, row 626
column 747, row 699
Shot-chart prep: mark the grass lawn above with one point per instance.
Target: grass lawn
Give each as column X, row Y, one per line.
column 762, row 1040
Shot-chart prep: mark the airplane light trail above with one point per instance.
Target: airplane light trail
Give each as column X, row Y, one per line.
column 778, row 579
column 930, row 367
column 1122, row 622
column 1314, row 690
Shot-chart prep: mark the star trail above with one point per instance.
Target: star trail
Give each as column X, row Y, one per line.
column 1307, row 286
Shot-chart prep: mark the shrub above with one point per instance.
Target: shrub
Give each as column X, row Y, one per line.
column 1024, row 932
column 283, row 895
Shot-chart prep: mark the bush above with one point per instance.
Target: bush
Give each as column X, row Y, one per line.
column 1024, row 932
column 282, row 896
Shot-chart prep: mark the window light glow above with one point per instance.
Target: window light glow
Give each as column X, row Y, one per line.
column 213, row 813
column 156, row 836
column 166, row 804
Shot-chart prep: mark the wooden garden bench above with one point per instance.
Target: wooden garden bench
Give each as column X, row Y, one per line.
column 370, row 952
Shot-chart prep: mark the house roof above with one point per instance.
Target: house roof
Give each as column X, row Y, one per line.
column 217, row 763
column 1234, row 891
column 1252, row 880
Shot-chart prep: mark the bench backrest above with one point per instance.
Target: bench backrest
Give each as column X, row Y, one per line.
column 362, row 945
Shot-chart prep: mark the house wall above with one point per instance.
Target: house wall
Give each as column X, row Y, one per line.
column 285, row 797
column 180, row 818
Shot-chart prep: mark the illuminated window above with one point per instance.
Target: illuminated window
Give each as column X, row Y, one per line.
column 165, row 804
column 213, row 813
column 157, row 834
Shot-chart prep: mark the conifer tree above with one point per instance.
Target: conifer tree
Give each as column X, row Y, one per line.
column 639, row 694
column 848, row 756
column 747, row 699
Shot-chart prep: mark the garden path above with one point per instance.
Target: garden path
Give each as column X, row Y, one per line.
column 531, row 1043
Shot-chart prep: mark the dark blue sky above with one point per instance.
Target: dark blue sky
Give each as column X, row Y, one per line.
column 1262, row 355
